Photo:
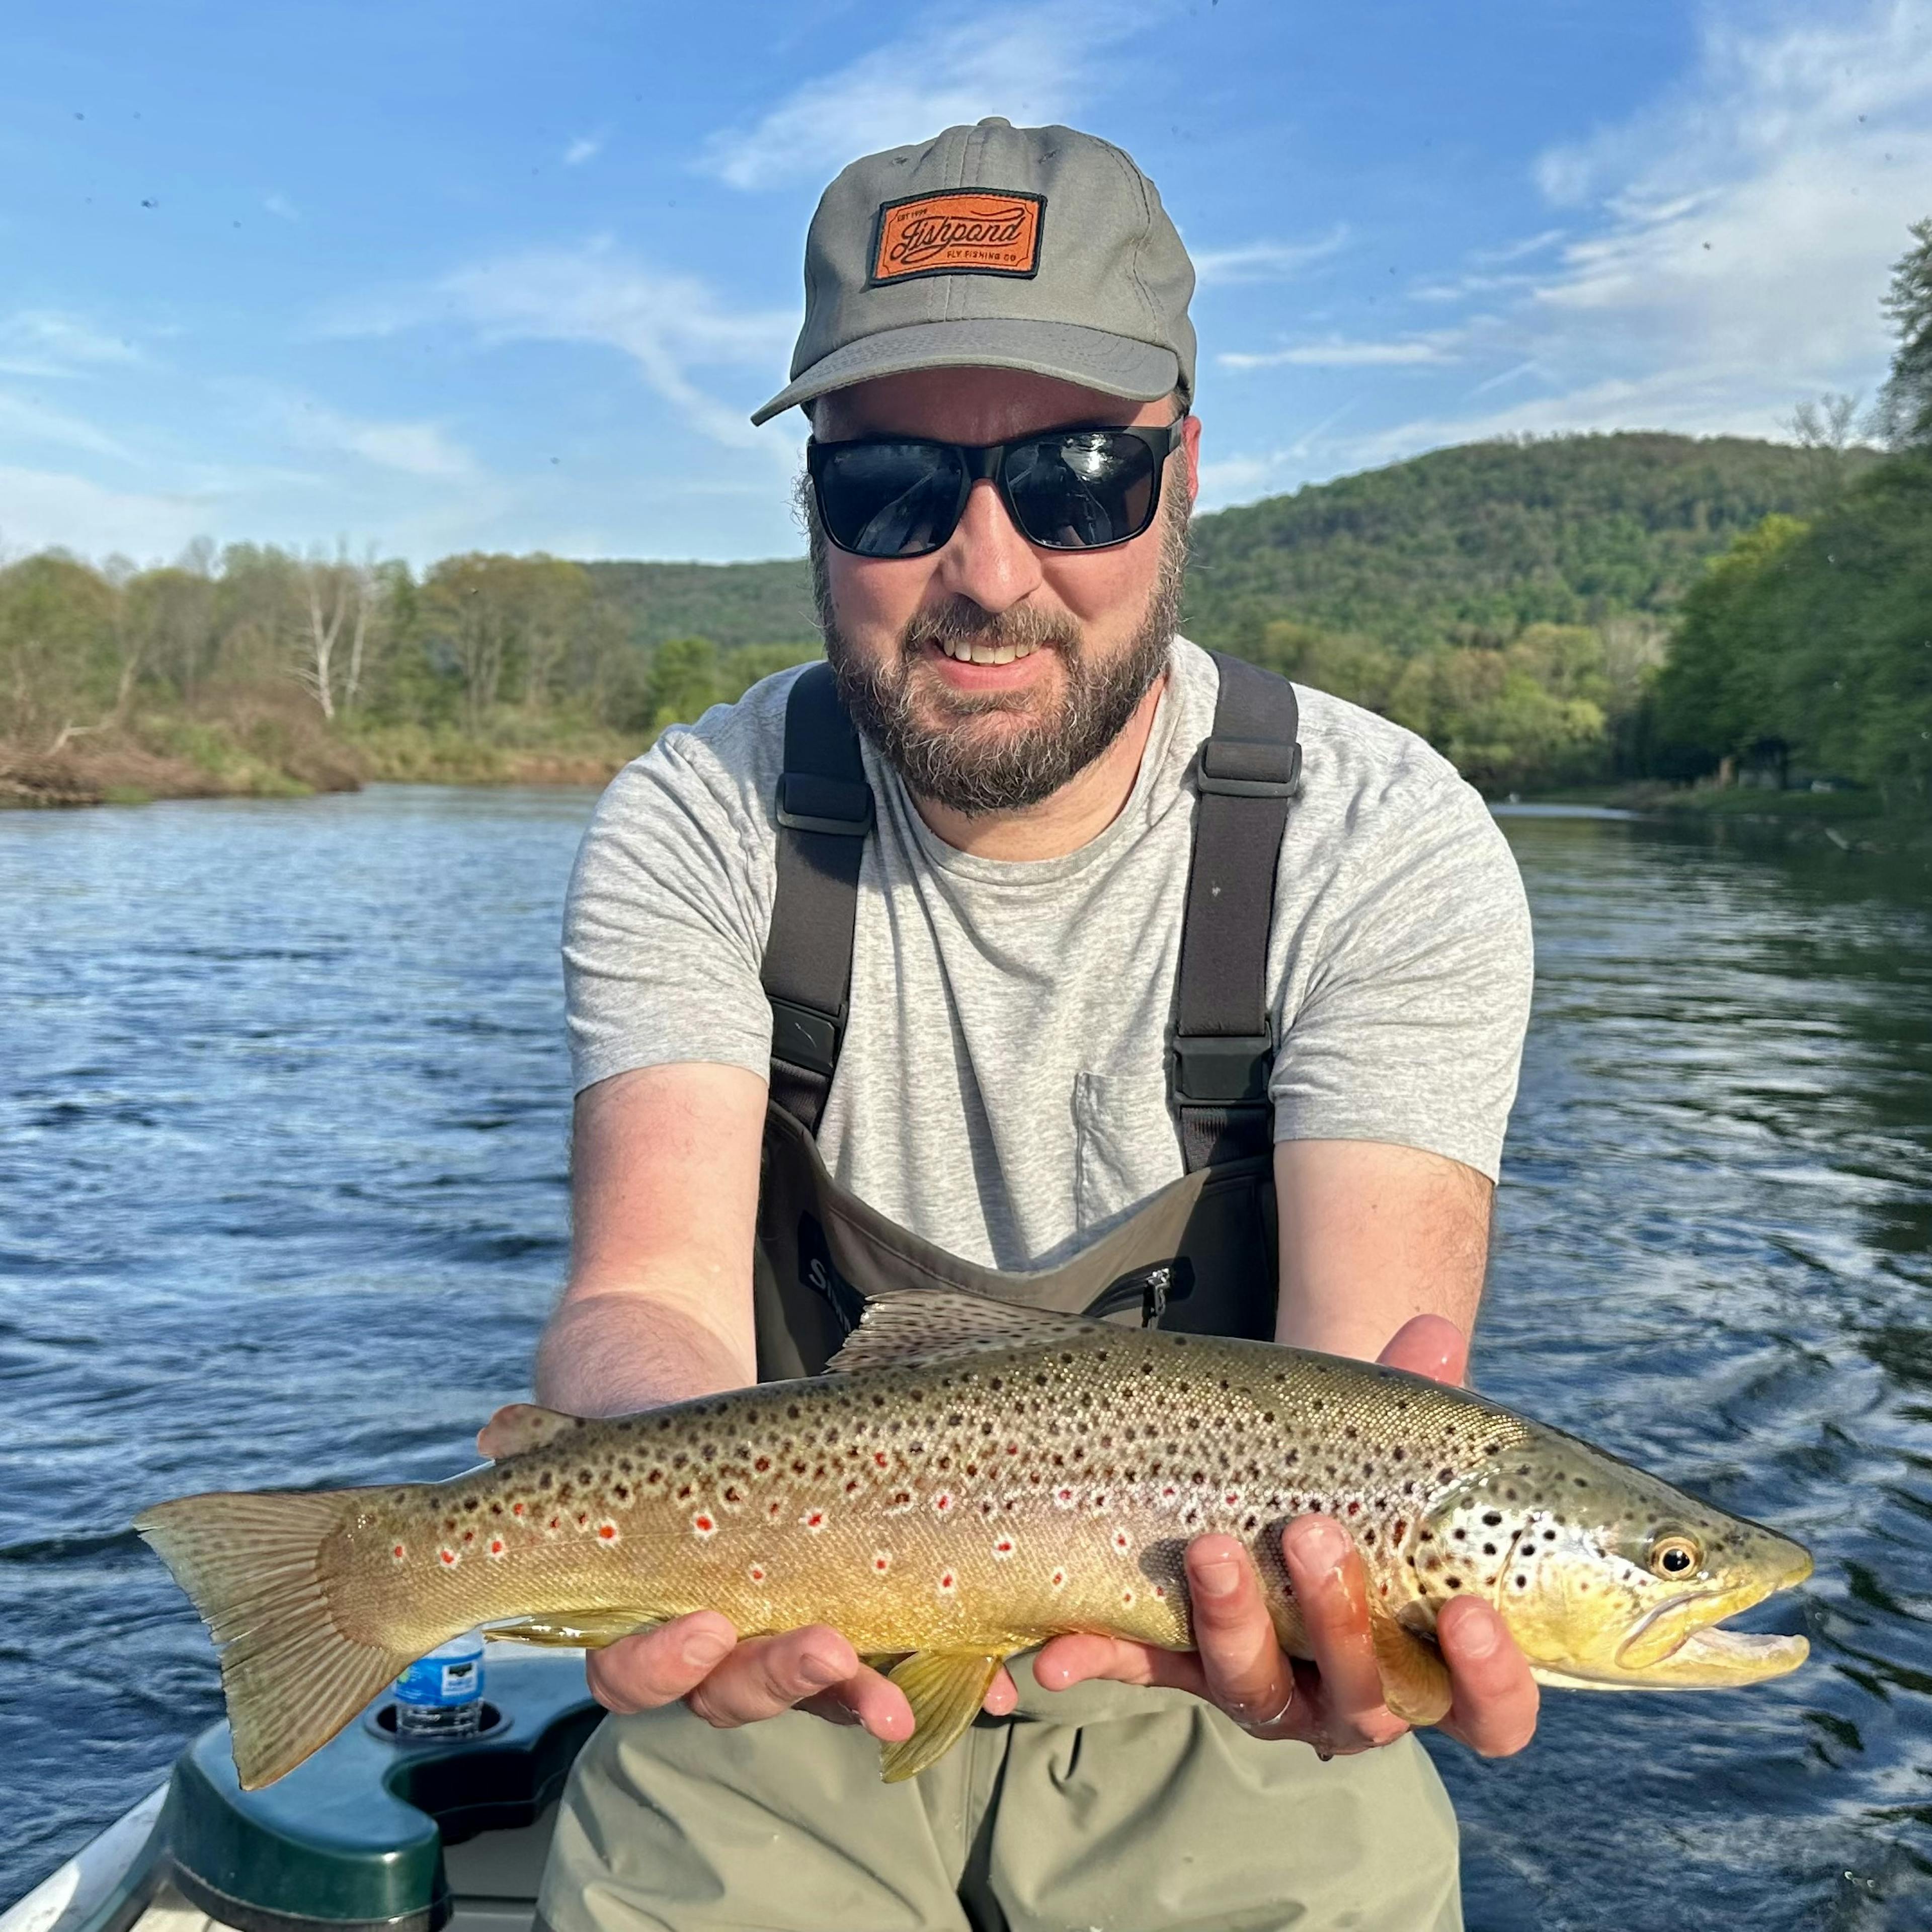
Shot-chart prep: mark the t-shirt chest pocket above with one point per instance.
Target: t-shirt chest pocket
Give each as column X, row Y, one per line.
column 1125, row 1147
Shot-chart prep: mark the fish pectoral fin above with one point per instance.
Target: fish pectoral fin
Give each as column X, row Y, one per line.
column 945, row 1689
column 522, row 1426
column 1415, row 1680
column 575, row 1630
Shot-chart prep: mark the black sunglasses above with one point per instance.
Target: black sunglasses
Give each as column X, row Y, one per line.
column 1066, row 489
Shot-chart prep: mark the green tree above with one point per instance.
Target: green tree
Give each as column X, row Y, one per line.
column 684, row 682
column 1905, row 403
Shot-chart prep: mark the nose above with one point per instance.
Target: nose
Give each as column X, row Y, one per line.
column 986, row 559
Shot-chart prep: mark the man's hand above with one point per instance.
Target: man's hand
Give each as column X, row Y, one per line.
column 1336, row 1703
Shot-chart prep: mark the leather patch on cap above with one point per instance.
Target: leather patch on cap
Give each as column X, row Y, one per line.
column 968, row 232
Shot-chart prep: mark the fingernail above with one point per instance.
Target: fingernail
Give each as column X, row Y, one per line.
column 820, row 1671
column 1478, row 1635
column 703, row 1648
column 1323, row 1542
column 1218, row 1580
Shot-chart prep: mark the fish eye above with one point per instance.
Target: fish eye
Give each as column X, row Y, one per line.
column 1675, row 1555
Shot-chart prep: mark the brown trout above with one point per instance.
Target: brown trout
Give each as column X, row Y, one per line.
column 976, row 1478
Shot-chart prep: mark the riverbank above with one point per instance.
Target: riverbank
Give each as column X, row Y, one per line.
column 1852, row 819
column 283, row 753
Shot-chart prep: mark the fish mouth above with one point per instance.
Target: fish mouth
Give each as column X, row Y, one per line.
column 1681, row 1644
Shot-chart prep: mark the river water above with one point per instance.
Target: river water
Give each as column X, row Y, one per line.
column 282, row 1203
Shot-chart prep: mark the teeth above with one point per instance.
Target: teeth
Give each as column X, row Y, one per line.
column 969, row 653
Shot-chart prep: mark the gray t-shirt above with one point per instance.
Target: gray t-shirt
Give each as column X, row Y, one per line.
column 1002, row 1090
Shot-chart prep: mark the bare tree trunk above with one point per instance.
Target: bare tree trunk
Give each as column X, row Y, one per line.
column 317, row 672
column 367, row 593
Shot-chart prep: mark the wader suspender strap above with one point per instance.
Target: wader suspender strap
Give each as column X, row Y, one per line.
column 824, row 813
column 1247, row 772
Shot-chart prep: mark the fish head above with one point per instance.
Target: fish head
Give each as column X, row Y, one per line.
column 1607, row 1578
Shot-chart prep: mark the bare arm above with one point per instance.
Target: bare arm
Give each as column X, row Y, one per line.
column 663, row 1206
column 657, row 1309
column 1372, row 1235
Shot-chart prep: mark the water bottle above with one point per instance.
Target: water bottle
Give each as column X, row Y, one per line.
column 441, row 1696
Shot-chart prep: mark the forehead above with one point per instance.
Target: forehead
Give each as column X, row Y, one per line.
column 974, row 405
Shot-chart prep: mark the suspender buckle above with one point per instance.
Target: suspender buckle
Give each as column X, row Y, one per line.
column 1247, row 768
column 808, row 802
column 1222, row 1070
column 804, row 1037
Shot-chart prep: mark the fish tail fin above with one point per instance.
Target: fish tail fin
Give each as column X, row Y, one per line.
column 252, row 1565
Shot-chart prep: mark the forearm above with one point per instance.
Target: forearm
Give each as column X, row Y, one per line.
column 1372, row 1236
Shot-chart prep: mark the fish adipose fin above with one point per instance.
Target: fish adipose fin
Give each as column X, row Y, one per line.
column 1415, row 1680
column 250, row 1563
column 945, row 1689
column 921, row 1324
column 524, row 1426
column 575, row 1630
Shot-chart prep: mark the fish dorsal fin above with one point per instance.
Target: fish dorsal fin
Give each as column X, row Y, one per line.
column 524, row 1426
column 921, row 1325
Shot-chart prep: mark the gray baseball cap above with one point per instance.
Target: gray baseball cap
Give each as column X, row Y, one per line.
column 995, row 246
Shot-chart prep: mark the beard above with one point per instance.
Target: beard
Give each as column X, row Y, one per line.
column 1001, row 751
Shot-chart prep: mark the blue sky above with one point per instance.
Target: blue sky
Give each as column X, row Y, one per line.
column 435, row 277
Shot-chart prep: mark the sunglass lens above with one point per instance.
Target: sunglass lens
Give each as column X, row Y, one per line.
column 889, row 499
column 1081, row 489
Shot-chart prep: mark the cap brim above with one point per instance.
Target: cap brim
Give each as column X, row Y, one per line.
column 1117, row 365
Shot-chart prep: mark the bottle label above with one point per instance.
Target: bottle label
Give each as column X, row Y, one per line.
column 442, row 1681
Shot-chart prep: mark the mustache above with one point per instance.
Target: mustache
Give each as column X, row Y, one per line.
column 960, row 620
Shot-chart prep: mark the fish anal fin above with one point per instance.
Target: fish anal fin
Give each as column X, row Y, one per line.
column 1415, row 1680
column 577, row 1630
column 919, row 1325
column 946, row 1689
column 522, row 1426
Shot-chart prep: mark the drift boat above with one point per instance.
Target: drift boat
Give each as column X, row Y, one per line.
column 371, row 1834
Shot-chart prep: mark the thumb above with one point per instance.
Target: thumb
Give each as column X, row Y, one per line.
column 1431, row 1345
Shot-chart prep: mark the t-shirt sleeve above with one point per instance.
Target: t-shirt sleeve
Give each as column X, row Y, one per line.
column 1406, row 1024
column 665, row 923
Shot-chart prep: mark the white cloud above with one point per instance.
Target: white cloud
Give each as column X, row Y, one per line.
column 413, row 449
column 1030, row 64
column 1338, row 354
column 585, row 147
column 40, row 343
column 40, row 509
column 1744, row 228
column 33, row 422
column 1264, row 261
column 668, row 324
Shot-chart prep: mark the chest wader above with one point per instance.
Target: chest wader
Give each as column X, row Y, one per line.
column 1201, row 1254
column 1142, row 1810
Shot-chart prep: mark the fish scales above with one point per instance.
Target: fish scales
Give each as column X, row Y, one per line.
column 990, row 1502
column 978, row 1478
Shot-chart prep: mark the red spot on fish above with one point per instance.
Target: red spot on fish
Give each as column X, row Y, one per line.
column 1004, row 1547
column 882, row 1561
column 948, row 1583
column 757, row 1572
column 1064, row 1498
column 397, row 1552
column 704, row 1524
column 1058, row 1580
column 814, row 1520
column 879, row 1456
column 449, row 1557
column 942, row 1502
column 764, row 1463
column 1122, row 1542
column 608, row 1532
column 516, row 1509
column 497, row 1546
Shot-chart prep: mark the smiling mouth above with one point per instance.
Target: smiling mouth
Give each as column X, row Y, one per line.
column 976, row 650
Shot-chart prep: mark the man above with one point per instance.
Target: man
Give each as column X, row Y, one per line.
column 946, row 949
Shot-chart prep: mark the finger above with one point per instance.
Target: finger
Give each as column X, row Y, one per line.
column 1003, row 1695
column 767, row 1674
column 868, row 1698
column 657, row 1667
column 1431, row 1345
column 1496, row 1699
column 1247, row 1675
column 1331, row 1591
column 489, row 1438
column 1065, row 1661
